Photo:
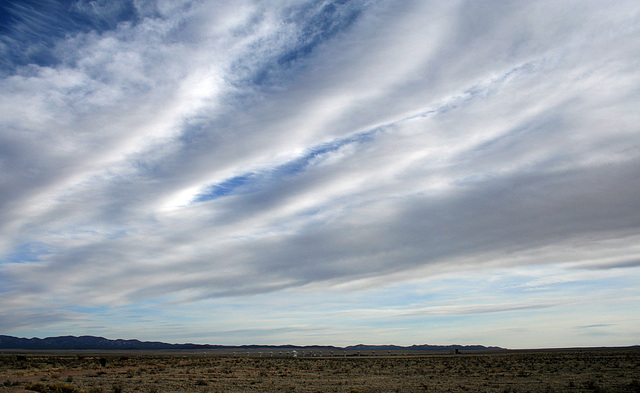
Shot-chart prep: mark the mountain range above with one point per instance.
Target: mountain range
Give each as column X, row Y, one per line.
column 101, row 343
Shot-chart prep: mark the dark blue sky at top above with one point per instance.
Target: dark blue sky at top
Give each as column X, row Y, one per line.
column 316, row 25
column 29, row 29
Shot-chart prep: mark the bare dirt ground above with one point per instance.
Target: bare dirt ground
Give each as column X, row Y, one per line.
column 611, row 370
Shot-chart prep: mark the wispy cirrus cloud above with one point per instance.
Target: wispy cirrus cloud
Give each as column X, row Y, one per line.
column 212, row 153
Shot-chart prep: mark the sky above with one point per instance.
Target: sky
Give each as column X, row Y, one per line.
column 327, row 172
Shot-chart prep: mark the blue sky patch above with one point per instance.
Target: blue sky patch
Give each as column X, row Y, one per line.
column 317, row 24
column 29, row 252
column 247, row 182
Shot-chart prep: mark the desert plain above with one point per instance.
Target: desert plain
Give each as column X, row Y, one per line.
column 570, row 370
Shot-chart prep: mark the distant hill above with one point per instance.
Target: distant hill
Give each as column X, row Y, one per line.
column 85, row 342
column 101, row 343
column 424, row 347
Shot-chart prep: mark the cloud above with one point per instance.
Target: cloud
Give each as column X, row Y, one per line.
column 34, row 318
column 188, row 152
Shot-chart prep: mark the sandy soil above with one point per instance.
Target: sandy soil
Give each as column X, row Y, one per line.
column 614, row 370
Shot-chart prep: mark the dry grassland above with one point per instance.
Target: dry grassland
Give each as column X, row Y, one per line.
column 615, row 370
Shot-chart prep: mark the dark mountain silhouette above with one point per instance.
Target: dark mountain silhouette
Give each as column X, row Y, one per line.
column 89, row 342
column 424, row 347
column 101, row 343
